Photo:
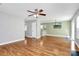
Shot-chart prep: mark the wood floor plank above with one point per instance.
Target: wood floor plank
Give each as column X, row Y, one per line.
column 45, row 46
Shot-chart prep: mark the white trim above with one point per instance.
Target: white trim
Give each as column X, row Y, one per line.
column 38, row 37
column 34, row 37
column 73, row 45
column 30, row 36
column 11, row 41
column 57, row 35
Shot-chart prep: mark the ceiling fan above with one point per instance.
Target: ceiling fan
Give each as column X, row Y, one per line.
column 36, row 12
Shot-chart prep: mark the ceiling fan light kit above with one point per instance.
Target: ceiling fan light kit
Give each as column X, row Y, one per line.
column 36, row 13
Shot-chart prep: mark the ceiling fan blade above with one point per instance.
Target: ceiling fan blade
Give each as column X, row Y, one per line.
column 30, row 11
column 41, row 10
column 43, row 14
column 31, row 15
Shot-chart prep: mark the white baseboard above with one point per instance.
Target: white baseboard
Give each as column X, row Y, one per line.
column 11, row 41
column 30, row 36
column 34, row 37
column 49, row 35
column 58, row 35
column 38, row 37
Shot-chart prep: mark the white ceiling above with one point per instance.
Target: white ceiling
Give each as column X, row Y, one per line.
column 62, row 11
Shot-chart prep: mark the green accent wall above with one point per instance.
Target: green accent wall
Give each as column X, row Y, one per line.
column 63, row 31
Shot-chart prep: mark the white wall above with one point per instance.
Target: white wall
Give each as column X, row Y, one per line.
column 11, row 28
column 28, row 32
column 77, row 28
column 73, row 30
column 38, row 29
column 33, row 28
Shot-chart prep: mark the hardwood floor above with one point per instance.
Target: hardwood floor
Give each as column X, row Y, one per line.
column 76, row 47
column 45, row 46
